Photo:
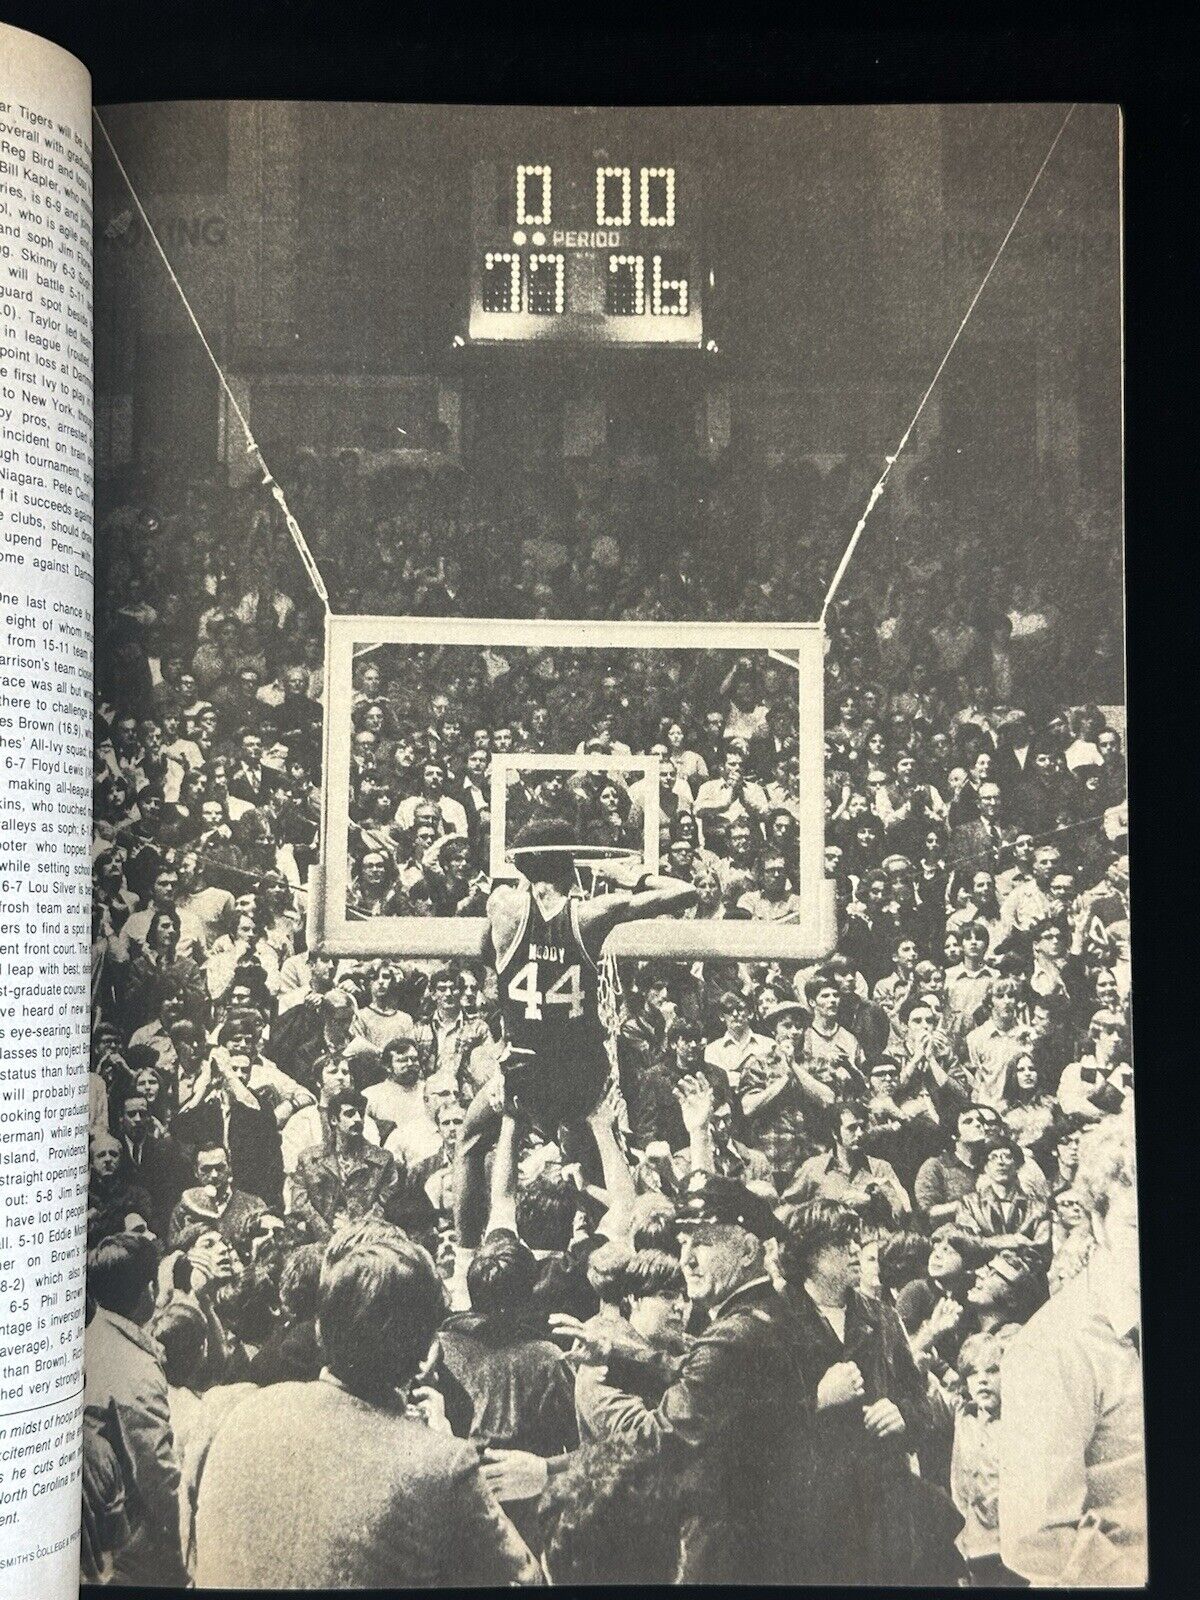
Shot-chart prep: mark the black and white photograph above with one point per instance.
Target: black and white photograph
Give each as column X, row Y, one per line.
column 610, row 982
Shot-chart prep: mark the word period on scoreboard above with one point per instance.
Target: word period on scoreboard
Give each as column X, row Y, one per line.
column 586, row 252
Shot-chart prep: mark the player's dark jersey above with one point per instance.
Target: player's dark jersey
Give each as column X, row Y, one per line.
column 550, row 1005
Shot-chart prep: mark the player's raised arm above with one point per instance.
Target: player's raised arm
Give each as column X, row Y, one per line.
column 641, row 894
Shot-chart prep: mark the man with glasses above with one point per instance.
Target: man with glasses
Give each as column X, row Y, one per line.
column 944, row 1178
column 739, row 1044
column 998, row 1212
column 773, row 900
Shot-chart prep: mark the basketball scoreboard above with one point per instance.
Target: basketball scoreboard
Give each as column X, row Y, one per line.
column 575, row 252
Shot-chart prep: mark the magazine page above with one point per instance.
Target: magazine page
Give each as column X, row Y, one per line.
column 45, row 765
column 611, row 966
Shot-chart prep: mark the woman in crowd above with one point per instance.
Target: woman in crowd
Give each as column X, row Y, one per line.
column 1028, row 1111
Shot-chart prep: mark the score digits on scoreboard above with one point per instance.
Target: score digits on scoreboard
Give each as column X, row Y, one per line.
column 585, row 253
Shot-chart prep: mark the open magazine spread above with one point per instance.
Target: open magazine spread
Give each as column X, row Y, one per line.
column 609, row 994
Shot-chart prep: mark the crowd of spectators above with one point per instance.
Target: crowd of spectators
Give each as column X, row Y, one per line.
column 758, row 1326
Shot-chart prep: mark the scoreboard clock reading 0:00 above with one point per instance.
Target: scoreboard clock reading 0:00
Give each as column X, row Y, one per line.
column 585, row 253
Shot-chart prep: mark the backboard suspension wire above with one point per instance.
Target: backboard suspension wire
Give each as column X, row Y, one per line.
column 891, row 460
column 307, row 559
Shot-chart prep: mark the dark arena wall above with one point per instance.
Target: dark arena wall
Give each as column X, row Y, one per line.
column 327, row 253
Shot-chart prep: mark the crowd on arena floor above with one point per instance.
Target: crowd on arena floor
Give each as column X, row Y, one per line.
column 838, row 1284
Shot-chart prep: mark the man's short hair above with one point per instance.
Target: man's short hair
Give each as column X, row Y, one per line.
column 606, row 1271
column 393, row 1047
column 921, row 998
column 814, row 986
column 1005, row 989
column 1054, row 1004
column 652, row 1225
column 300, row 1282
column 381, row 1302
column 980, row 1351
column 846, row 1108
column 650, row 1272
column 182, row 1333
column 501, row 1275
column 979, row 929
column 1003, row 1140
column 120, row 1270
column 902, row 1259
column 340, row 1099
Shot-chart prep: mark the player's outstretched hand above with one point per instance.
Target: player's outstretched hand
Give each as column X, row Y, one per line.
column 624, row 871
column 605, row 1112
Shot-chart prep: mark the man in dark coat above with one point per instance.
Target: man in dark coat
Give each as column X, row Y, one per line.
column 977, row 843
column 870, row 1519
column 506, row 1383
column 347, row 1179
column 216, row 1202
column 151, row 1161
column 732, row 1419
column 866, row 1020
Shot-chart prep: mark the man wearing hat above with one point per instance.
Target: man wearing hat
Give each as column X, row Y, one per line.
column 732, row 1416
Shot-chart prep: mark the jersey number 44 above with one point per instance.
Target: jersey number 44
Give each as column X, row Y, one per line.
column 567, row 991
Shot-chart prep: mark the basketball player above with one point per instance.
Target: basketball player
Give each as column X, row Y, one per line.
column 546, row 943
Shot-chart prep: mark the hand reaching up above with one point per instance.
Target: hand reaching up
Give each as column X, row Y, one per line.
column 695, row 1098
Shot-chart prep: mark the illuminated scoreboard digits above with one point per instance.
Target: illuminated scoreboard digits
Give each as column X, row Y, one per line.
column 502, row 281
column 590, row 253
column 545, row 288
